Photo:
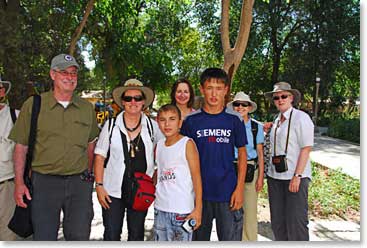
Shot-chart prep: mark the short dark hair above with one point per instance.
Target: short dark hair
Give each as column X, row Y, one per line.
column 190, row 103
column 169, row 107
column 214, row 73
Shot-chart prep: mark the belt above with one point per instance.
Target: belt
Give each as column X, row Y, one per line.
column 7, row 180
column 253, row 162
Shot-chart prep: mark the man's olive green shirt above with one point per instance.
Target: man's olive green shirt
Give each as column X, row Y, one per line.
column 63, row 134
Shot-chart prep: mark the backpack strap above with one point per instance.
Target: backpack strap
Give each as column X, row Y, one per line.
column 13, row 115
column 32, row 137
column 126, row 155
column 111, row 125
column 254, row 130
column 150, row 128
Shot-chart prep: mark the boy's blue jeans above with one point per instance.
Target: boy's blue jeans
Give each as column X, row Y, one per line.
column 229, row 223
column 168, row 227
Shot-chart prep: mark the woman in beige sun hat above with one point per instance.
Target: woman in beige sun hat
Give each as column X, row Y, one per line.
column 141, row 134
column 255, row 163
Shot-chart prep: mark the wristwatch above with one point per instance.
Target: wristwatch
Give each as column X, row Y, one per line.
column 99, row 184
column 297, row 175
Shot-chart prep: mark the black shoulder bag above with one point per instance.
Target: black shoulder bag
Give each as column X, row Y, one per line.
column 21, row 222
column 280, row 161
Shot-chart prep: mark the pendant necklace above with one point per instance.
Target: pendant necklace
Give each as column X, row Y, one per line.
column 134, row 147
column 134, row 128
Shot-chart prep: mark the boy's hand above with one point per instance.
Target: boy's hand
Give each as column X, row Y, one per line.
column 236, row 199
column 196, row 215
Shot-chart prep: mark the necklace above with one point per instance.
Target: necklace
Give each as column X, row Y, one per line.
column 134, row 147
column 134, row 128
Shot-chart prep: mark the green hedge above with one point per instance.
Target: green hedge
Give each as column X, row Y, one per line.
column 345, row 129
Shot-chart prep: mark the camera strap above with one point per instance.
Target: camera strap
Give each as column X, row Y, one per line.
column 275, row 134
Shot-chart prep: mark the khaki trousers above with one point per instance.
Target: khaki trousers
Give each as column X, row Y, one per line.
column 249, row 232
column 7, row 206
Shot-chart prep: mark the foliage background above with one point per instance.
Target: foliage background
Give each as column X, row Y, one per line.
column 159, row 41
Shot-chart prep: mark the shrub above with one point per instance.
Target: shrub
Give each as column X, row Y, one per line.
column 346, row 129
column 331, row 192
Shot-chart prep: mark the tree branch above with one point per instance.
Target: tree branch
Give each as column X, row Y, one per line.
column 296, row 26
column 224, row 26
column 78, row 31
column 245, row 26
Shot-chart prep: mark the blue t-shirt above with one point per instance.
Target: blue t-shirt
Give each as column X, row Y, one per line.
column 216, row 136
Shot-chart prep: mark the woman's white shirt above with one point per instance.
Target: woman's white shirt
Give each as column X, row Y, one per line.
column 115, row 168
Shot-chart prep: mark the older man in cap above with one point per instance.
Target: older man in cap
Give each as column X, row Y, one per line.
column 7, row 117
column 63, row 156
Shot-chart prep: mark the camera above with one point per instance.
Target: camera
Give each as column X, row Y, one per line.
column 189, row 225
column 280, row 163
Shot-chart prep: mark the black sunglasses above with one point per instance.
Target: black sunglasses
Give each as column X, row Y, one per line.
column 243, row 104
column 130, row 98
column 276, row 98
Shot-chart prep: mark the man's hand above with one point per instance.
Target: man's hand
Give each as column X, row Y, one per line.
column 236, row 199
column 103, row 197
column 19, row 192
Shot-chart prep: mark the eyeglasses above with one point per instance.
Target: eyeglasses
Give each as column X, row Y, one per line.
column 130, row 98
column 66, row 73
column 276, row 98
column 243, row 104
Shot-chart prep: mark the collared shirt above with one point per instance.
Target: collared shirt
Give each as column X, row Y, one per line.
column 115, row 168
column 250, row 149
column 301, row 134
column 6, row 145
column 63, row 134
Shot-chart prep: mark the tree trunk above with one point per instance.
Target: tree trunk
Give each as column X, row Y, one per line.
column 276, row 64
column 78, row 31
column 233, row 56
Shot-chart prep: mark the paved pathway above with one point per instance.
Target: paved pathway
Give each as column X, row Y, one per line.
column 336, row 153
column 327, row 151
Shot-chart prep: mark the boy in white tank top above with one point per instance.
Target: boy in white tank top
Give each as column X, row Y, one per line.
column 178, row 189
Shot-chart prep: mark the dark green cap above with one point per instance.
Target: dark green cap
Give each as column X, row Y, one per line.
column 63, row 61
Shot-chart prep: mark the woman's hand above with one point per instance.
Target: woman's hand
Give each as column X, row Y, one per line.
column 294, row 184
column 259, row 184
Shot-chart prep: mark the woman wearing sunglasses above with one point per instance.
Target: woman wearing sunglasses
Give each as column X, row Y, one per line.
column 289, row 175
column 141, row 135
column 182, row 95
column 255, row 163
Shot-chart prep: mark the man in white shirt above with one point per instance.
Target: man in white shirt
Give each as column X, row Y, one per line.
column 289, row 174
column 7, row 117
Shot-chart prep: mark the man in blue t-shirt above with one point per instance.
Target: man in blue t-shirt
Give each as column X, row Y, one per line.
column 216, row 131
